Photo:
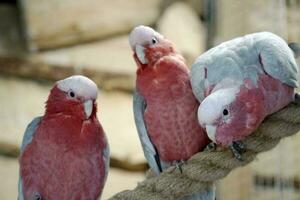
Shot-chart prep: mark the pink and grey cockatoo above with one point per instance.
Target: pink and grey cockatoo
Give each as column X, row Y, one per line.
column 65, row 154
column 239, row 83
column 165, row 108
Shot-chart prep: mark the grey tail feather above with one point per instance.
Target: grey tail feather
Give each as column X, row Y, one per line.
column 296, row 48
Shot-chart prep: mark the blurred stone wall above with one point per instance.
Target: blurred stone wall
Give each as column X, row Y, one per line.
column 52, row 24
column 293, row 20
column 235, row 18
column 91, row 37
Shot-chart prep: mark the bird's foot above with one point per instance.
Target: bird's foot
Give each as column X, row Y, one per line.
column 211, row 146
column 297, row 97
column 36, row 196
column 237, row 148
column 178, row 164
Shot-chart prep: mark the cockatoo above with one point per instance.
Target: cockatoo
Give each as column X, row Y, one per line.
column 65, row 154
column 165, row 108
column 239, row 83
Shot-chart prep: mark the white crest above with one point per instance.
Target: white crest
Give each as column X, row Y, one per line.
column 80, row 85
column 213, row 105
column 142, row 35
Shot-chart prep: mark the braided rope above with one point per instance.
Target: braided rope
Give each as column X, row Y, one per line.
column 208, row 166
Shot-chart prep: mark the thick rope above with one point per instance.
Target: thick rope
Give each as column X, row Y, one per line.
column 206, row 167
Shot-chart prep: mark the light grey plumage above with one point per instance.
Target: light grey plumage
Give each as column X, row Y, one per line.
column 29, row 132
column 106, row 154
column 239, row 59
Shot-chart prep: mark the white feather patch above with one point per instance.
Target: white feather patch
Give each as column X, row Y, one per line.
column 88, row 108
column 211, row 132
column 80, row 85
column 212, row 106
column 142, row 35
column 140, row 52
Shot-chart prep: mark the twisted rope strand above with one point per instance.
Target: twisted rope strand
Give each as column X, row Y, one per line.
column 206, row 167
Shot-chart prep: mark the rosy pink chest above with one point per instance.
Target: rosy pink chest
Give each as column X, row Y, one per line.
column 64, row 161
column 171, row 113
column 277, row 94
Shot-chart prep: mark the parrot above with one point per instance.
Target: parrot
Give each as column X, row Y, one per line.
column 65, row 153
column 240, row 82
column 165, row 109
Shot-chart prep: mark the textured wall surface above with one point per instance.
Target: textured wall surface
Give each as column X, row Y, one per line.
column 55, row 23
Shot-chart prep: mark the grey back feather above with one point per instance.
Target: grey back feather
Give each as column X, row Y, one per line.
column 139, row 106
column 244, row 57
column 29, row 132
column 20, row 191
column 27, row 138
column 106, row 154
column 278, row 60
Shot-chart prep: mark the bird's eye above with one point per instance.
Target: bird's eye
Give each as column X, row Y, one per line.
column 153, row 40
column 225, row 112
column 71, row 94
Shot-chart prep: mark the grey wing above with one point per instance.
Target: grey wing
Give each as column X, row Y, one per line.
column 197, row 77
column 27, row 138
column 278, row 60
column 139, row 106
column 20, row 191
column 29, row 132
column 216, row 64
column 106, row 154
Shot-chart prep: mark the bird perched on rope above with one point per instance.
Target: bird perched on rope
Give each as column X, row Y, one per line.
column 65, row 154
column 165, row 108
column 240, row 82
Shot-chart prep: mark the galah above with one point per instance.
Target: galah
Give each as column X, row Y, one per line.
column 239, row 83
column 165, row 108
column 65, row 154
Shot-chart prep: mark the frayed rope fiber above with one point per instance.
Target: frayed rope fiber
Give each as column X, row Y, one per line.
column 208, row 166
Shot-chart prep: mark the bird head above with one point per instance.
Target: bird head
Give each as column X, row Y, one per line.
column 148, row 45
column 75, row 95
column 230, row 114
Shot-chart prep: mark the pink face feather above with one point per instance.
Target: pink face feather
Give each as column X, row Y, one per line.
column 233, row 113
